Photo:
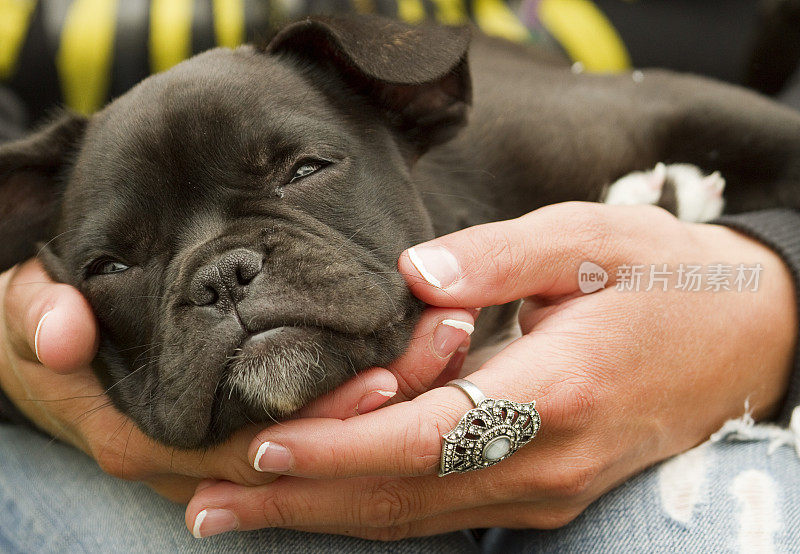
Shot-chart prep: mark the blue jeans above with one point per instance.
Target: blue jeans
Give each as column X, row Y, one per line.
column 719, row 497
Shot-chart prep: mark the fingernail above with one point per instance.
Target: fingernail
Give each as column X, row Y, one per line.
column 436, row 265
column 36, row 335
column 272, row 458
column 449, row 334
column 453, row 368
column 373, row 399
column 213, row 521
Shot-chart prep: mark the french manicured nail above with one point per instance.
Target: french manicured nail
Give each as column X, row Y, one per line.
column 449, row 334
column 436, row 265
column 213, row 521
column 272, row 458
column 37, row 333
column 373, row 399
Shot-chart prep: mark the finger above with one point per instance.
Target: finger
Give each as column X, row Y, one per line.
column 291, row 501
column 537, row 254
column 454, row 365
column 402, row 439
column 49, row 321
column 122, row 450
column 435, row 339
column 528, row 515
column 363, row 393
column 362, row 503
column 176, row 488
column 132, row 455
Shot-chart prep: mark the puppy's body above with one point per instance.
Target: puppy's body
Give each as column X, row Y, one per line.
column 539, row 134
column 235, row 222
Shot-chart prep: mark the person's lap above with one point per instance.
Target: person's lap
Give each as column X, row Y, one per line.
column 718, row 497
column 53, row 498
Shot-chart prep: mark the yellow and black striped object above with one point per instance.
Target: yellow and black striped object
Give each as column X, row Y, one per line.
column 83, row 52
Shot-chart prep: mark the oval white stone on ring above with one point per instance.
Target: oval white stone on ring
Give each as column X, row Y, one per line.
column 496, row 448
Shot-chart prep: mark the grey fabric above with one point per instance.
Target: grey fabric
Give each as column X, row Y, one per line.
column 55, row 499
column 719, row 497
column 726, row 496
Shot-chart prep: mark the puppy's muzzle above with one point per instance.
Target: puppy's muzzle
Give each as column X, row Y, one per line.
column 222, row 283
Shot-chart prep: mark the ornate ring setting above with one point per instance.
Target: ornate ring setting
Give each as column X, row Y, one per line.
column 487, row 434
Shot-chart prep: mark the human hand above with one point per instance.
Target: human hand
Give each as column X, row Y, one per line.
column 622, row 380
column 48, row 336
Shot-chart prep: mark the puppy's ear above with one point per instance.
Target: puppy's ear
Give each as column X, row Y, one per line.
column 31, row 171
column 416, row 75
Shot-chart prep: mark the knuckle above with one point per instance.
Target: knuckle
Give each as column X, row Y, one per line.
column 241, row 472
column 528, row 519
column 339, row 462
column 108, row 463
column 578, row 231
column 420, row 448
column 649, row 214
column 552, row 518
column 113, row 460
column 386, row 534
column 560, row 518
column 409, row 384
column 579, row 404
column 573, row 404
column 389, row 505
column 275, row 512
column 591, row 232
column 390, row 534
column 499, row 251
column 572, row 481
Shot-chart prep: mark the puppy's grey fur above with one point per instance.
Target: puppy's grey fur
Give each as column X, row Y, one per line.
column 247, row 295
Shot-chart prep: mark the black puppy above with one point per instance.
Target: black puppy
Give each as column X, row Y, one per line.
column 235, row 222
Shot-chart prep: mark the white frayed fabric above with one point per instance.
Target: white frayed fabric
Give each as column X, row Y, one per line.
column 681, row 481
column 744, row 429
column 759, row 517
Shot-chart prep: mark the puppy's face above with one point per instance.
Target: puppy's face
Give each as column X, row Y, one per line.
column 235, row 223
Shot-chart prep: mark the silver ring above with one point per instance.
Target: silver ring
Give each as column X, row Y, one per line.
column 487, row 434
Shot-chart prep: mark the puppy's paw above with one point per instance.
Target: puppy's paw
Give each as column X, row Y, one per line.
column 682, row 189
column 637, row 188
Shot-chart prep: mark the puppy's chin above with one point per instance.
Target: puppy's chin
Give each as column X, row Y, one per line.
column 277, row 371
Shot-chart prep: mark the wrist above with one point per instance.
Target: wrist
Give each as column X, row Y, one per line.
column 769, row 314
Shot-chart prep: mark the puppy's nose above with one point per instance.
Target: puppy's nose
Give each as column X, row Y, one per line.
column 226, row 278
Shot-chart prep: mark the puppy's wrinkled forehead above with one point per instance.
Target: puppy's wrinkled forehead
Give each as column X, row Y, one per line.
column 237, row 108
column 208, row 135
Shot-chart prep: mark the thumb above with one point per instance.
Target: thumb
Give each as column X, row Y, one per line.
column 48, row 321
column 536, row 254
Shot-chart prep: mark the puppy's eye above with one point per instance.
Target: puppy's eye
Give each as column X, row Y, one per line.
column 106, row 266
column 306, row 168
